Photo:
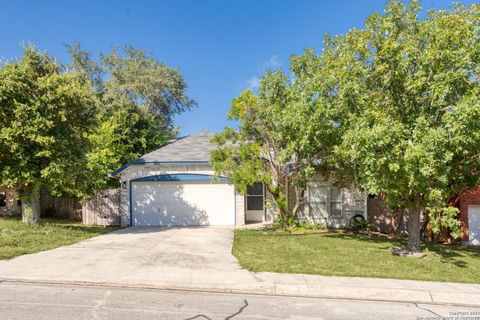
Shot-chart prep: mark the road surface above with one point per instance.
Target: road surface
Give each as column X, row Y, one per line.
column 53, row 301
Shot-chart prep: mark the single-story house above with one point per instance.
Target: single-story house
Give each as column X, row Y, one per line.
column 175, row 186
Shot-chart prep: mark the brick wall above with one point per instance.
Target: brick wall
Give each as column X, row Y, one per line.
column 468, row 198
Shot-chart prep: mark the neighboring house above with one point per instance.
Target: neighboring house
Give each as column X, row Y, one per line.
column 175, row 186
column 469, row 205
column 386, row 220
column 9, row 205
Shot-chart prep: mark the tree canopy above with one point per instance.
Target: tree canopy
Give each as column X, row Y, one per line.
column 286, row 132
column 139, row 97
column 44, row 116
column 392, row 107
column 65, row 128
column 412, row 90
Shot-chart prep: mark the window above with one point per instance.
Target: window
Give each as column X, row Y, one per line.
column 335, row 202
column 318, row 200
column 325, row 201
column 3, row 199
column 255, row 197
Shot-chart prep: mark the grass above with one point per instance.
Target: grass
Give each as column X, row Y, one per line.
column 16, row 238
column 343, row 254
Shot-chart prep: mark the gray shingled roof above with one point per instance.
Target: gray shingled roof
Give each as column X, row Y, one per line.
column 193, row 148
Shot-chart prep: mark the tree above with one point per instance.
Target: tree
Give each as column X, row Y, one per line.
column 137, row 78
column 412, row 90
column 44, row 115
column 284, row 135
column 122, row 136
column 139, row 97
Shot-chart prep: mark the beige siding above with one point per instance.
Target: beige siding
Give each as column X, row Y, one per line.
column 353, row 201
column 103, row 209
column 239, row 209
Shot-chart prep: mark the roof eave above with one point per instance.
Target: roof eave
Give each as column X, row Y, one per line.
column 117, row 172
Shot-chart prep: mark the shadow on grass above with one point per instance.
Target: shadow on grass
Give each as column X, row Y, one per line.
column 447, row 254
column 450, row 254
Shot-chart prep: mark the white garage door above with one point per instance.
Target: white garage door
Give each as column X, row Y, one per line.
column 474, row 225
column 182, row 204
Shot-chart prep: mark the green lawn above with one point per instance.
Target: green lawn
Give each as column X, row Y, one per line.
column 16, row 238
column 342, row 254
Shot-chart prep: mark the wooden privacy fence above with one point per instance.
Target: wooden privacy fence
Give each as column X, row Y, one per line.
column 60, row 207
column 103, row 208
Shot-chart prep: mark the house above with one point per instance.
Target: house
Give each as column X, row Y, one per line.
column 175, row 186
column 9, row 205
column 469, row 205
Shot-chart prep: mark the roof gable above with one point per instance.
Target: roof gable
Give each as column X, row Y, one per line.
column 195, row 148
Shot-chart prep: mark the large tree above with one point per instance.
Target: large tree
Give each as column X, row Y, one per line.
column 286, row 132
column 139, row 97
column 45, row 113
column 412, row 89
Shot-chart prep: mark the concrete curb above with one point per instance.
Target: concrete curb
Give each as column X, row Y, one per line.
column 282, row 291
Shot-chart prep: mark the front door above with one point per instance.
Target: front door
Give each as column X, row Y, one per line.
column 254, row 203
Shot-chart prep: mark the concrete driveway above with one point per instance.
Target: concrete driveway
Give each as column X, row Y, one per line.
column 201, row 259
column 180, row 257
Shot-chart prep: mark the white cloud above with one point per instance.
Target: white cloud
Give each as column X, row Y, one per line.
column 273, row 62
column 253, row 83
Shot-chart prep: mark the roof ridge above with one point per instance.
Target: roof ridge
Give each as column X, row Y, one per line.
column 192, row 148
column 180, row 141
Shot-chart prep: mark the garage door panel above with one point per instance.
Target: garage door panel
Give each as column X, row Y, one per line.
column 182, row 204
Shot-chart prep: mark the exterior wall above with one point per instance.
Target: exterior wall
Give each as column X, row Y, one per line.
column 353, row 202
column 12, row 207
column 135, row 172
column 384, row 219
column 239, row 209
column 103, row 209
column 470, row 197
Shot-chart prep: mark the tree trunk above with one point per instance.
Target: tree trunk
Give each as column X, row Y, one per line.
column 299, row 193
column 31, row 206
column 414, row 226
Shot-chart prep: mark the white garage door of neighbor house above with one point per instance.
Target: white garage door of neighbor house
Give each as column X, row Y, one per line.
column 182, row 204
column 474, row 225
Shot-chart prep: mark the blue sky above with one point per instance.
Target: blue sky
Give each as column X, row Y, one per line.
column 221, row 47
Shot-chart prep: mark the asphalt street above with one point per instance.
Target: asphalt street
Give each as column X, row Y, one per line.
column 53, row 301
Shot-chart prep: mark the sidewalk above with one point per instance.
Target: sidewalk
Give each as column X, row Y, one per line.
column 299, row 285
column 200, row 259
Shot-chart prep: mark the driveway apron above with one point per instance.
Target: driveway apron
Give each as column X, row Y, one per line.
column 179, row 257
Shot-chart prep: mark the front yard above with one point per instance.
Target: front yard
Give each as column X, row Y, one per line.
column 342, row 254
column 16, row 238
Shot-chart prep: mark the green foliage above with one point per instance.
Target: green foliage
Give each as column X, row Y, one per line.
column 285, row 134
column 446, row 218
column 139, row 79
column 122, row 136
column 44, row 117
column 138, row 97
column 64, row 129
column 410, row 89
column 360, row 225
